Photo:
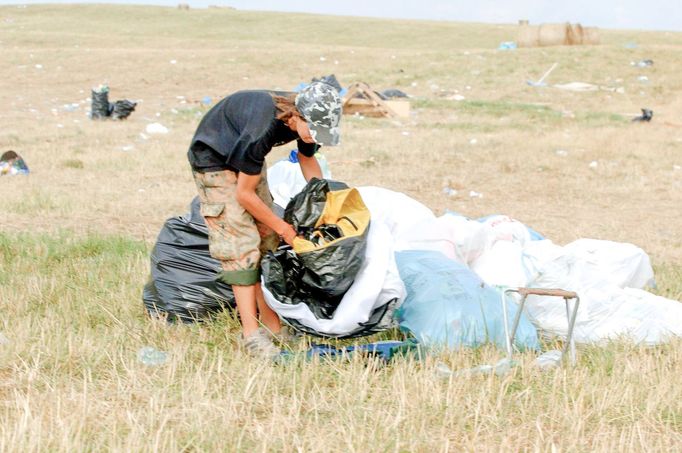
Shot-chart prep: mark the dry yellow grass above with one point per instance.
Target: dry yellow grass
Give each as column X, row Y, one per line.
column 98, row 194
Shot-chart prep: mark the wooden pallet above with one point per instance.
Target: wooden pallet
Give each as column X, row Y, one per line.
column 361, row 99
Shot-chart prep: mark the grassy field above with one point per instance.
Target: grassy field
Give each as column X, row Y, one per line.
column 75, row 235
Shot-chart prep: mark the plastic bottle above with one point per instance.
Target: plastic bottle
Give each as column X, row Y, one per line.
column 549, row 359
column 500, row 369
column 152, row 357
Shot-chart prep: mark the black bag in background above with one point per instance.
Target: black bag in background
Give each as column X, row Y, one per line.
column 182, row 284
column 100, row 102
column 122, row 109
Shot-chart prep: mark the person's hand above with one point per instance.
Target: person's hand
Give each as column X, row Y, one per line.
column 288, row 234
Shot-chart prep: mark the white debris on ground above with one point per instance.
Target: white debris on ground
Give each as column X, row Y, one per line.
column 155, row 128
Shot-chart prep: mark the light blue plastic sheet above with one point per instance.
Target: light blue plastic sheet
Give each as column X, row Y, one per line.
column 448, row 305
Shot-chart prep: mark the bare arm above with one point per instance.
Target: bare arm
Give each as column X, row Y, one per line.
column 310, row 167
column 247, row 197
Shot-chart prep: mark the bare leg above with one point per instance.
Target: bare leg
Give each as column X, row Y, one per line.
column 267, row 316
column 245, row 296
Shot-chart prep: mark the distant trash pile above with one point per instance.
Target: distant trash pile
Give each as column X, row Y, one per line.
column 102, row 108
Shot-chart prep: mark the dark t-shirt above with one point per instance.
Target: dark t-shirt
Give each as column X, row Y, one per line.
column 239, row 131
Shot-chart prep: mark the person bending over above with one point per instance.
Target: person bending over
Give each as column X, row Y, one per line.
column 227, row 156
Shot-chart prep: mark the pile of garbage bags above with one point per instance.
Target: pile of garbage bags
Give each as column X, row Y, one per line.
column 439, row 278
column 101, row 108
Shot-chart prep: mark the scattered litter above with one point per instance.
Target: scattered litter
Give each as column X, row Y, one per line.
column 156, row 128
column 677, row 167
column 122, row 109
column 646, row 116
column 642, row 63
column 474, row 194
column 548, row 360
column 393, row 93
column 144, row 136
column 585, row 87
column 39, row 66
column 594, row 164
column 60, row 126
column 541, row 80
column 100, row 102
column 643, row 78
column 450, row 192
column 473, row 141
column 561, row 152
column 12, row 164
column 383, row 350
column 3, row 339
column 127, row 148
column 71, row 107
column 323, row 59
column 101, row 107
column 405, row 133
column 577, row 86
column 413, row 84
column 457, row 97
column 173, row 61
column 507, row 45
column 206, row 100
column 501, row 368
column 630, row 45
column 152, row 357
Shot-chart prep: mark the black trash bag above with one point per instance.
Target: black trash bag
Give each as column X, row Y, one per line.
column 646, row 116
column 122, row 109
column 329, row 80
column 182, row 284
column 391, row 93
column 100, row 103
column 321, row 267
column 305, row 208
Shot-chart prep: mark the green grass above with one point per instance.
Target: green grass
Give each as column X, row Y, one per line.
column 76, row 323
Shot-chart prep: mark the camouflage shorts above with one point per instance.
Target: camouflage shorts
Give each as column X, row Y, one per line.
column 235, row 238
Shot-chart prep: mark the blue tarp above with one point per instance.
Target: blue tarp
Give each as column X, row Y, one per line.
column 448, row 305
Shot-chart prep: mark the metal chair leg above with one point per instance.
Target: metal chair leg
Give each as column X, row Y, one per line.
column 569, row 346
